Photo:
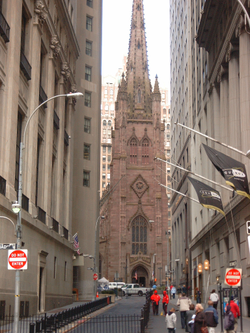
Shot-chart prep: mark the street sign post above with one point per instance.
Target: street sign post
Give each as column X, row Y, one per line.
column 233, row 277
column 17, row 259
column 9, row 246
column 95, row 276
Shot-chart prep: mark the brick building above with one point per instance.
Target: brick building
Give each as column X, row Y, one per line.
column 133, row 236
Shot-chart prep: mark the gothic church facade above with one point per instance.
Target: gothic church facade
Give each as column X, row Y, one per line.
column 133, row 237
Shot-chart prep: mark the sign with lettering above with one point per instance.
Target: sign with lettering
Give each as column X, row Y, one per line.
column 18, row 259
column 9, row 246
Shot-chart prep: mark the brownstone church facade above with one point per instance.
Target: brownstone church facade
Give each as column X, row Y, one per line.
column 133, row 237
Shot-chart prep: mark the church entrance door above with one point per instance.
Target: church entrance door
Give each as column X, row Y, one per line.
column 140, row 275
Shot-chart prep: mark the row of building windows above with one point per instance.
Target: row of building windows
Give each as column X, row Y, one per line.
column 134, row 151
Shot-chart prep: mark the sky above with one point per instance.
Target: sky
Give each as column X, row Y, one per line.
column 116, row 32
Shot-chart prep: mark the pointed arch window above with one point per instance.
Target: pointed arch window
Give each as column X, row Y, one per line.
column 139, row 235
column 145, row 151
column 139, row 96
column 133, row 151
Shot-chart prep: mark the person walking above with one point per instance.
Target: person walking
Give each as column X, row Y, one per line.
column 190, row 315
column 165, row 301
column 214, row 298
column 173, row 291
column 155, row 298
column 199, row 320
column 236, row 312
column 170, row 320
column 184, row 303
column 211, row 316
column 228, row 320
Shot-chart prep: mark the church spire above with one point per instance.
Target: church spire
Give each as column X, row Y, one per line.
column 137, row 76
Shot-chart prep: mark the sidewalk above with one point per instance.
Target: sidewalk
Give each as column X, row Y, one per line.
column 157, row 323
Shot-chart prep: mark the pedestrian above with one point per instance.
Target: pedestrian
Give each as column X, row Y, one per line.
column 173, row 291
column 184, row 289
column 184, row 303
column 211, row 316
column 165, row 301
column 170, row 320
column 190, row 315
column 155, row 298
column 228, row 320
column 198, row 297
column 199, row 320
column 215, row 298
column 236, row 312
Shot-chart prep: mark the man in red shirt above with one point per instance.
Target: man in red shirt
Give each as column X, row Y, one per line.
column 165, row 301
column 155, row 298
column 236, row 312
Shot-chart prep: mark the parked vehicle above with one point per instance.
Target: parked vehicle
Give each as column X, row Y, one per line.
column 134, row 289
column 113, row 285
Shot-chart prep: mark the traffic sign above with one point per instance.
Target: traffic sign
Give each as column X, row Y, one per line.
column 9, row 246
column 248, row 227
column 233, row 277
column 95, row 276
column 17, row 259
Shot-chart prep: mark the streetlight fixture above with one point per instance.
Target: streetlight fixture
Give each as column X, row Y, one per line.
column 18, row 204
column 94, row 258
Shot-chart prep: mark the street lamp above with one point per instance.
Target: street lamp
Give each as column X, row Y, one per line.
column 221, row 305
column 94, row 258
column 19, row 203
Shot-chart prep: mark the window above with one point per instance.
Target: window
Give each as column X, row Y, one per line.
column 89, row 23
column 104, row 176
column 104, row 122
column 87, row 125
column 139, row 235
column 90, row 3
column 104, row 158
column 86, row 151
column 103, row 167
column 18, row 140
column 109, row 150
column 109, row 158
column 133, row 151
column 103, row 184
column 88, row 73
column 109, row 123
column 145, row 151
column 86, row 178
column 104, row 149
column 87, row 99
column 88, row 50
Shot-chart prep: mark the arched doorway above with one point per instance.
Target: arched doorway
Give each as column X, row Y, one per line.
column 140, row 275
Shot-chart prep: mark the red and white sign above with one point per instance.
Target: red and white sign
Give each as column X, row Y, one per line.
column 95, row 276
column 233, row 277
column 18, row 259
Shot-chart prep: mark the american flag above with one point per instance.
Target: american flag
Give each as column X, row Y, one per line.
column 76, row 242
column 136, row 275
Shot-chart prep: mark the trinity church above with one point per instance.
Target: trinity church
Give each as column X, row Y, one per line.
column 133, row 244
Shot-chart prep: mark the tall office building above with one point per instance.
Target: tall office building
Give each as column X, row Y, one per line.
column 87, row 129
column 218, row 107
column 38, row 53
column 133, row 241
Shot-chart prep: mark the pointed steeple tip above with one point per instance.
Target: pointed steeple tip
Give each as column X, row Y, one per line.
column 156, row 87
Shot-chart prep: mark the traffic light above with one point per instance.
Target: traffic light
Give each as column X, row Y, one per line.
column 155, row 280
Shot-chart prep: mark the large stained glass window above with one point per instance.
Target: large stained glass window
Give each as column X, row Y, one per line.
column 139, row 235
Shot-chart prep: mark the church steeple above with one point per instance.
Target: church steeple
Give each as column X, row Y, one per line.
column 137, row 76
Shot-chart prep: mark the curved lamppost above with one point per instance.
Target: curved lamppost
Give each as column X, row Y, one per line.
column 18, row 204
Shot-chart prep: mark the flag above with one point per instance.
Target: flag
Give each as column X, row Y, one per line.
column 78, row 251
column 76, row 242
column 233, row 171
column 208, row 197
column 136, row 275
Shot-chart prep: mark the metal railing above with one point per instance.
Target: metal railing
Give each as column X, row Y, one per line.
column 66, row 319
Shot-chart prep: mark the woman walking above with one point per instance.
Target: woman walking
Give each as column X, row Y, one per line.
column 200, row 320
column 171, row 321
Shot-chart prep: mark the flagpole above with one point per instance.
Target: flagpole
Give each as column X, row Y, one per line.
column 195, row 174
column 247, row 154
column 184, row 195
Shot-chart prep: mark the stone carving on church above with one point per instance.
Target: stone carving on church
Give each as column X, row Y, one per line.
column 65, row 71
column 139, row 186
column 41, row 11
column 139, row 258
column 55, row 46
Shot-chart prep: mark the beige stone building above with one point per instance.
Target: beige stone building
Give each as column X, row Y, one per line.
column 218, row 106
column 39, row 47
